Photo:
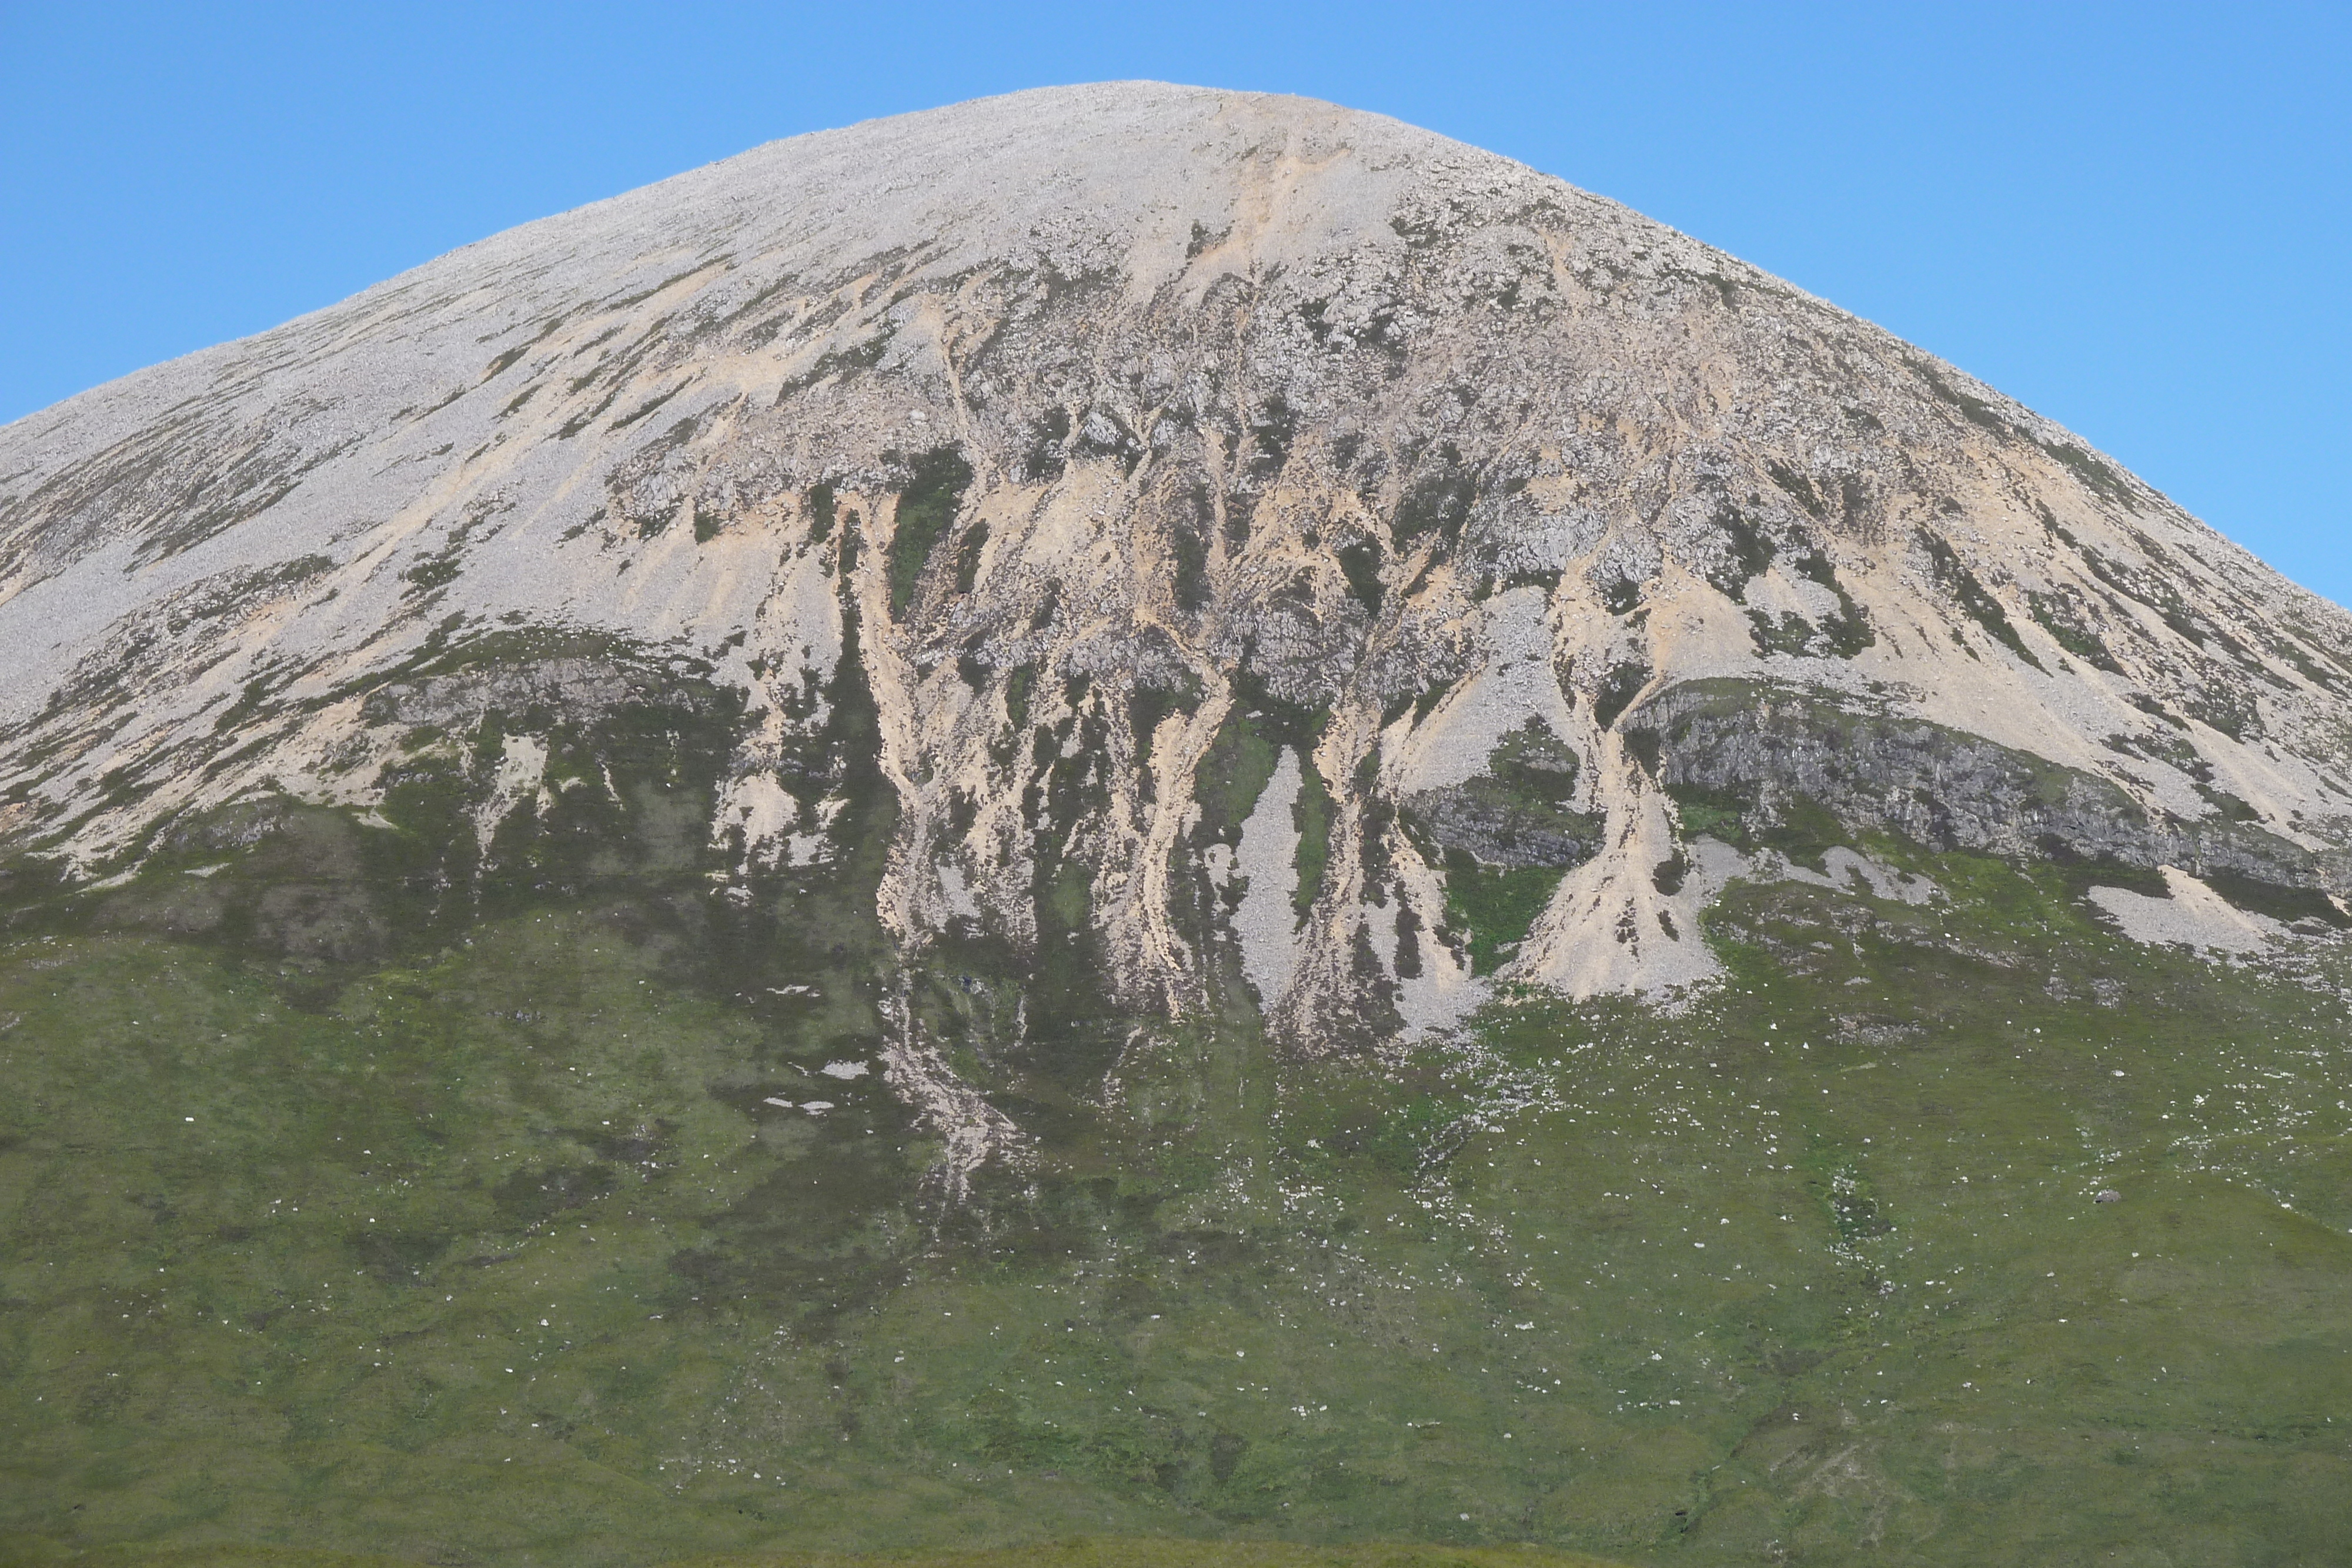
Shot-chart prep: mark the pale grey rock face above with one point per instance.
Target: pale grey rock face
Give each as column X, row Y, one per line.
column 1103, row 418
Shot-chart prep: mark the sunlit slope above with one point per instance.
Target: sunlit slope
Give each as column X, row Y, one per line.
column 1468, row 532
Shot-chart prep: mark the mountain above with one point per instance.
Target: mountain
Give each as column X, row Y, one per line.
column 1062, row 644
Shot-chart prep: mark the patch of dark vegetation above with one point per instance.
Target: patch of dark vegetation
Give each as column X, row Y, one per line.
column 1189, row 542
column 1617, row 690
column 1017, row 684
column 1149, row 703
column 1233, row 773
column 1491, row 909
column 1954, row 578
column 2097, row 476
column 1312, row 814
column 254, row 693
column 1792, row 633
column 926, row 508
column 2062, row 613
column 968, row 554
column 2078, row 874
column 2173, row 750
column 1272, row 432
column 2233, row 807
column 512, row 658
column 1751, row 552
column 2291, row 905
column 398, row 1258
column 530, row 1198
column 1798, row 487
column 1360, row 564
column 861, row 356
column 506, row 360
column 1848, row 632
column 642, row 295
column 1974, row 409
column 1048, row 451
column 1438, row 500
column 2229, row 708
column 1311, row 315
column 1408, row 943
column 1284, row 720
column 646, row 409
column 582, row 421
column 435, row 570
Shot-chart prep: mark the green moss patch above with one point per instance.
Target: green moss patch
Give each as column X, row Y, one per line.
column 1495, row 907
column 927, row 508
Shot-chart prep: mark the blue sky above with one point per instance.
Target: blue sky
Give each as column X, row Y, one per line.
column 2135, row 218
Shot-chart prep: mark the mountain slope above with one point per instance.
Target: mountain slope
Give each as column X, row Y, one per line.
column 1153, row 407
column 1147, row 811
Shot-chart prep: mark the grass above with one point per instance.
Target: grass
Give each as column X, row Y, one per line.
column 1082, row 1552
column 493, row 1249
column 1164, row 1553
column 1495, row 907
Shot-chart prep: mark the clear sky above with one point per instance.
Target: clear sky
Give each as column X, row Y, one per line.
column 2136, row 218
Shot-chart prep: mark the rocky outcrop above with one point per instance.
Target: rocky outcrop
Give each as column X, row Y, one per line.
column 1767, row 760
column 1519, row 811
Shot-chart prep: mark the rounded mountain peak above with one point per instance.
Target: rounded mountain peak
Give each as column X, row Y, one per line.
column 1272, row 548
column 1134, row 175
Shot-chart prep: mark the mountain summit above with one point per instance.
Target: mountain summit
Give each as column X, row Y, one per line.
column 1274, row 547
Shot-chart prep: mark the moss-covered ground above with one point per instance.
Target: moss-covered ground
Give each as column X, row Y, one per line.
column 494, row 1250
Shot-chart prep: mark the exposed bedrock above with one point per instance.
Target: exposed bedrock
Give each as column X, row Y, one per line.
column 1519, row 811
column 1780, row 758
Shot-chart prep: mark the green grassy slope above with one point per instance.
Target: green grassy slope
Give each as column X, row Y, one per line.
column 486, row 1249
column 1082, row 1552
